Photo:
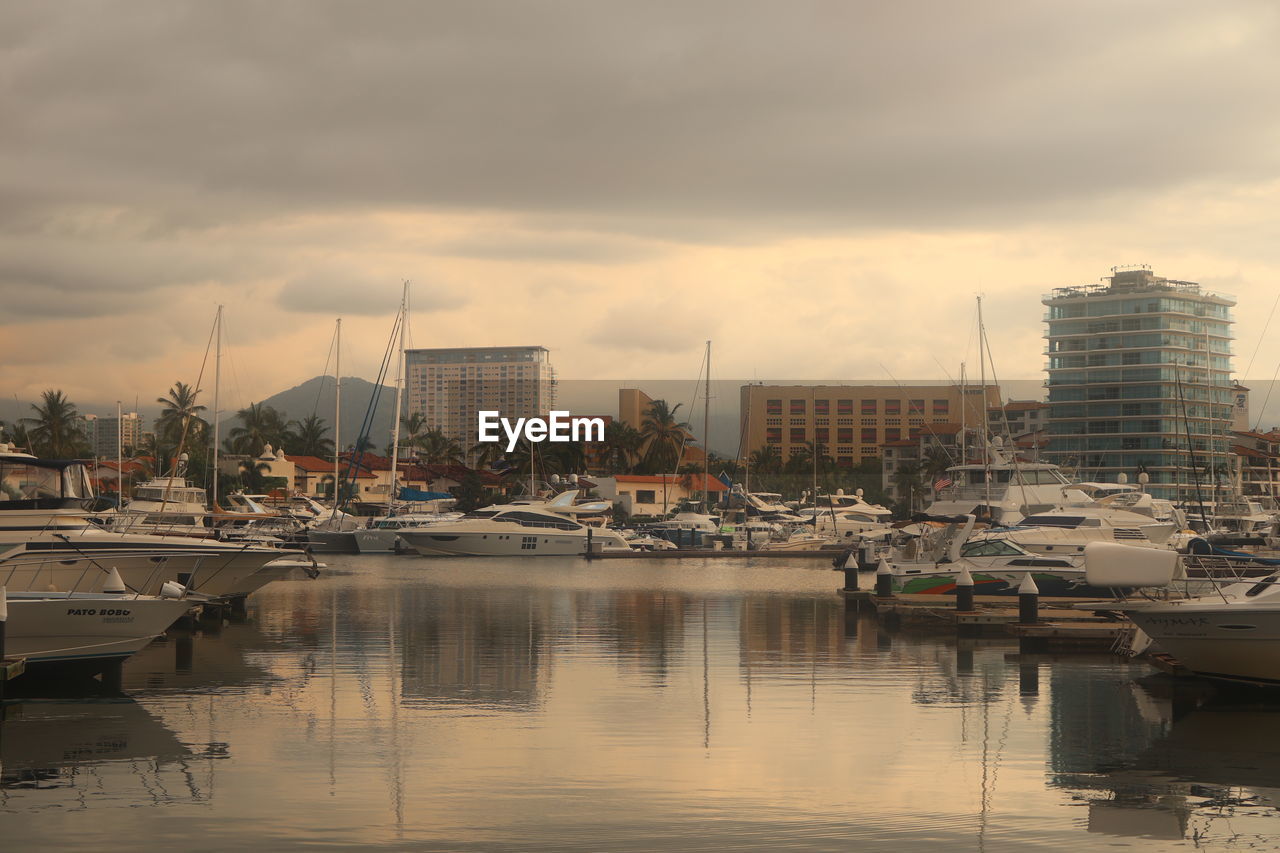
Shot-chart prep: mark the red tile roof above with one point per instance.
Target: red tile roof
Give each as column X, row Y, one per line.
column 710, row 483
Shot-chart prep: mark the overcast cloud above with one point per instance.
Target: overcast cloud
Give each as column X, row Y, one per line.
column 821, row 187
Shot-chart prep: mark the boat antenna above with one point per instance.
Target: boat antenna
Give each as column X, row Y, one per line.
column 217, row 384
column 1191, row 448
column 395, row 418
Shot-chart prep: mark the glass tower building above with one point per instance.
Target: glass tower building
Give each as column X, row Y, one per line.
column 1140, row 381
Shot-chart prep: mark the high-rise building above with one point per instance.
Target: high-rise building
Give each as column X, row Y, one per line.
column 1140, row 381
column 852, row 421
column 449, row 386
column 103, row 433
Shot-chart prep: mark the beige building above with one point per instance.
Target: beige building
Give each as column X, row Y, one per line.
column 853, row 421
column 449, row 386
column 106, row 431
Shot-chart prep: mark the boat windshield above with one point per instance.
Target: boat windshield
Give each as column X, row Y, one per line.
column 23, row 481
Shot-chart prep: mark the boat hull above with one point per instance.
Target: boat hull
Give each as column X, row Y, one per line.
column 462, row 544
column 1234, row 643
column 332, row 542
column 79, row 628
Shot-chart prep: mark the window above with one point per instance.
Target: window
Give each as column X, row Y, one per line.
column 870, row 407
column 797, row 434
column 822, row 407
column 941, row 407
column 844, row 435
column 893, row 407
column 646, row 496
column 822, row 435
column 773, row 407
column 844, row 407
column 916, row 407
column 914, row 433
column 798, row 407
column 869, row 435
column 773, row 435
column 893, row 434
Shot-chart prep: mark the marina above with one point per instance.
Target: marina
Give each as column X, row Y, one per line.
column 398, row 702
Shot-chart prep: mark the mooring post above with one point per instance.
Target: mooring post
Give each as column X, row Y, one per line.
column 589, row 553
column 1028, row 601
column 851, row 570
column 884, row 580
column 113, row 676
column 964, row 591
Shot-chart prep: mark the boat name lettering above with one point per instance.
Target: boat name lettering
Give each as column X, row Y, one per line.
column 559, row 426
column 1170, row 621
column 93, row 611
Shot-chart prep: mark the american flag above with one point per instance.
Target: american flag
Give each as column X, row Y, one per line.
column 941, row 483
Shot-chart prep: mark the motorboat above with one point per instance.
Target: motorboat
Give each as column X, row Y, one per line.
column 511, row 530
column 87, row 629
column 1003, row 490
column 49, row 539
column 1231, row 633
column 382, row 535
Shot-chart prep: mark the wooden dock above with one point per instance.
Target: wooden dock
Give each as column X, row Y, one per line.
column 708, row 554
column 1060, row 625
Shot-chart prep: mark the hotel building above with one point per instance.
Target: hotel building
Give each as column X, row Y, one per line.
column 1140, row 380
column 852, row 421
column 450, row 386
column 104, row 433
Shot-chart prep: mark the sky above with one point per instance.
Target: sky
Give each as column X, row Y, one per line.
column 820, row 188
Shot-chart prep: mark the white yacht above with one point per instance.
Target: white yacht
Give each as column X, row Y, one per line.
column 87, row 629
column 840, row 515
column 510, row 530
column 168, row 505
column 48, row 538
column 1004, row 490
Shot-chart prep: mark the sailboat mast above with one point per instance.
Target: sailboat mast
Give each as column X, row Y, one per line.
column 706, row 435
column 337, row 410
column 395, row 424
column 119, row 458
column 982, row 421
column 217, row 385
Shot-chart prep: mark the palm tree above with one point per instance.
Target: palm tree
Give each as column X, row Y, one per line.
column 260, row 425
column 485, row 453
column 907, row 479
column 308, row 437
column 935, row 463
column 57, row 429
column 412, row 427
column 436, row 448
column 766, row 460
column 664, row 436
column 180, row 416
column 623, row 446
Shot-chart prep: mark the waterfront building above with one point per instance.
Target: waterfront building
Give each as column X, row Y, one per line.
column 852, row 422
column 1139, row 378
column 450, row 386
column 104, row 432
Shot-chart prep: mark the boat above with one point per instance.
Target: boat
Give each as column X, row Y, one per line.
column 53, row 535
column 87, row 629
column 1232, row 633
column 382, row 535
column 519, row 530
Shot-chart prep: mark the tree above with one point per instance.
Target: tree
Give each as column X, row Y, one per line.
column 57, row 430
column 309, row 437
column 908, row 480
column 436, row 448
column 624, row 445
column 470, row 493
column 179, row 415
column 259, row 426
column 664, row 437
column 411, row 427
column 935, row 463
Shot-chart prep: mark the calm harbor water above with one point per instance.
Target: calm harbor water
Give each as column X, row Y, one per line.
column 625, row 705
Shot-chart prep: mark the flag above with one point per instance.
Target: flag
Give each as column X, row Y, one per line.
column 941, row 483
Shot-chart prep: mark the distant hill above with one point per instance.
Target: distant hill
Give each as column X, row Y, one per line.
column 317, row 395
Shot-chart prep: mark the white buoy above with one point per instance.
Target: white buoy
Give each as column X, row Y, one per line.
column 114, row 583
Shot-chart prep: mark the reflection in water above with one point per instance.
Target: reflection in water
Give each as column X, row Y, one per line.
column 488, row 704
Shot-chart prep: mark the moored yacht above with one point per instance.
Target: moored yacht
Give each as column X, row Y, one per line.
column 48, row 539
column 511, row 530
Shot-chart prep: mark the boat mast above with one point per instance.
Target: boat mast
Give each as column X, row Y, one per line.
column 337, row 410
column 119, row 458
column 706, row 435
column 217, row 383
column 982, row 421
column 395, row 424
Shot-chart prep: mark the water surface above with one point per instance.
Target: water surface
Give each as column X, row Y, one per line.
column 552, row 704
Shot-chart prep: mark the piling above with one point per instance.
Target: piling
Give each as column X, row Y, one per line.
column 4, row 618
column 884, row 580
column 964, row 591
column 1028, row 601
column 589, row 549
column 850, row 569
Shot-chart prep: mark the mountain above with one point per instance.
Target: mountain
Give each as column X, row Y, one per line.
column 316, row 395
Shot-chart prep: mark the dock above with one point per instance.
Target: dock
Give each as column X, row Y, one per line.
column 708, row 554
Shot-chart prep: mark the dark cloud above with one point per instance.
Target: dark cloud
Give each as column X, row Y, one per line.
column 343, row 290
column 782, row 115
